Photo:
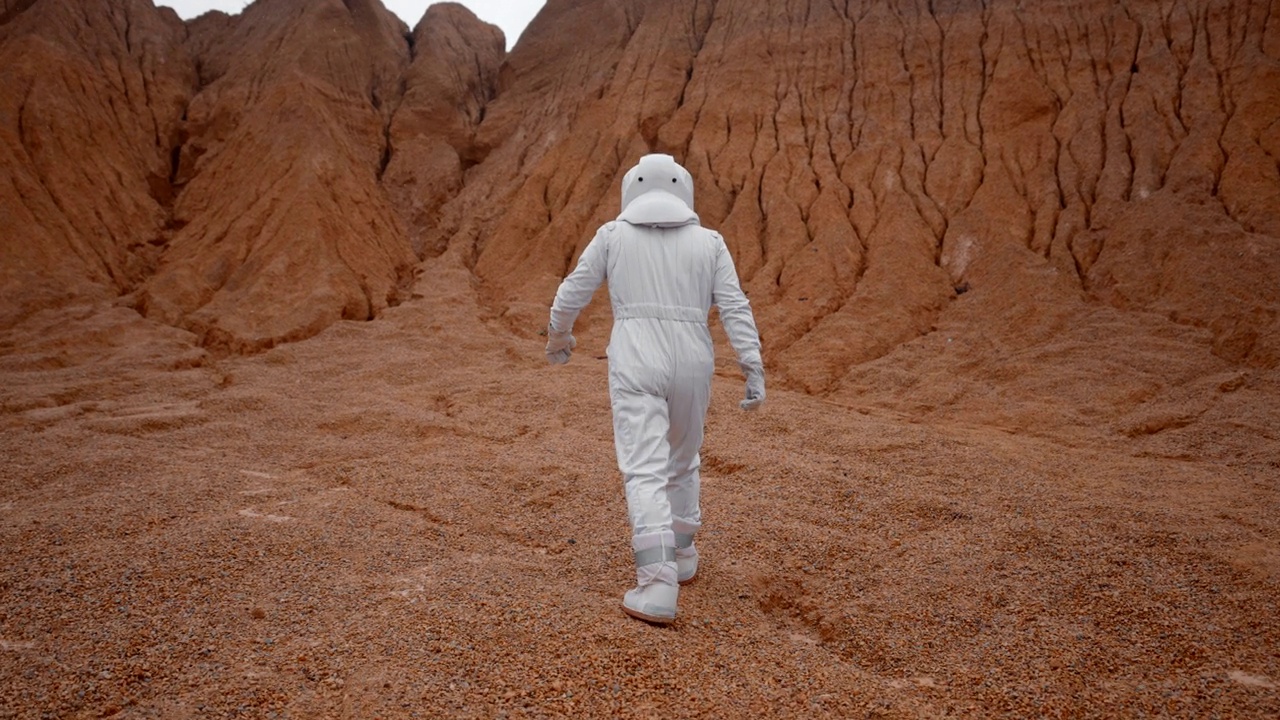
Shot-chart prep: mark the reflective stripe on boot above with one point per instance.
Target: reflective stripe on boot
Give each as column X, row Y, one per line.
column 657, row 589
column 686, row 553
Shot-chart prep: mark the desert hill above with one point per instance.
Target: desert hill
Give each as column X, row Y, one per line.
column 279, row 436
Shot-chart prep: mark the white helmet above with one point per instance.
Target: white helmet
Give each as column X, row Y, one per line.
column 657, row 191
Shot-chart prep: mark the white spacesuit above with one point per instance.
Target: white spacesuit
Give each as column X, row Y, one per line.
column 665, row 271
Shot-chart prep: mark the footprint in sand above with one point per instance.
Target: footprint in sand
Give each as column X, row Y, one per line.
column 923, row 681
column 144, row 418
column 251, row 513
column 1245, row 678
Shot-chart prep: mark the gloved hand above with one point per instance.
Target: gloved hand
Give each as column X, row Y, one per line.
column 560, row 345
column 755, row 387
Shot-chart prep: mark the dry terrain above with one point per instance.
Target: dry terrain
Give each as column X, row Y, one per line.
column 418, row 517
column 279, row 439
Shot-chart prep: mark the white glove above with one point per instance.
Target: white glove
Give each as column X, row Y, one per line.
column 755, row 388
column 560, row 345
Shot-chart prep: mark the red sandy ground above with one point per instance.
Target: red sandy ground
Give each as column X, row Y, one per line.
column 417, row 517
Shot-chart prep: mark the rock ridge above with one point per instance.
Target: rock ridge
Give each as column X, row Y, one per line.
column 911, row 190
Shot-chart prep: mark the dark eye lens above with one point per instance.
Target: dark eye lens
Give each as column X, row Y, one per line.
column 673, row 180
column 639, row 179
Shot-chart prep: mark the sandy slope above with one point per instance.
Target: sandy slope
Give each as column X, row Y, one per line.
column 416, row 517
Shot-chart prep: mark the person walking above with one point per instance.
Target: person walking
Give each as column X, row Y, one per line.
column 664, row 271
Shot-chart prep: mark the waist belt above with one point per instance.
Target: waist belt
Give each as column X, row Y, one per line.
column 660, row 312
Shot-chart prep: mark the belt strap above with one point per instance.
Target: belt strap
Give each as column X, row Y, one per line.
column 678, row 313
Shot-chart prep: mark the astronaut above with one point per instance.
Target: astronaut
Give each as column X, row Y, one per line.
column 665, row 271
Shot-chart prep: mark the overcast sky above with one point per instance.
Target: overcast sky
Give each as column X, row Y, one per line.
column 510, row 15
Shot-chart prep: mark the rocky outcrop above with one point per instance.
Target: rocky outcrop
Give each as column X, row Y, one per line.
column 90, row 108
column 282, row 227
column 448, row 86
column 863, row 159
column 985, row 194
column 222, row 177
column 1039, row 217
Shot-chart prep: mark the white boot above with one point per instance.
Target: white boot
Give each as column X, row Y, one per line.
column 686, row 553
column 654, row 597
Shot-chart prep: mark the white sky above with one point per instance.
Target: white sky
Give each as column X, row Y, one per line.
column 510, row 15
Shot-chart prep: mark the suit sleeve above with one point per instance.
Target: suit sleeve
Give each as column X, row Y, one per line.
column 735, row 310
column 577, row 289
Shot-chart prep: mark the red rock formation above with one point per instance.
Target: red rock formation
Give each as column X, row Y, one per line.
column 92, row 93
column 453, row 77
column 227, row 175
column 858, row 157
column 283, row 225
column 884, row 171
column 913, row 189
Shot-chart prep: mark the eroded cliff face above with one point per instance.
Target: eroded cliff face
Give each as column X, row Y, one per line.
column 453, row 77
column 91, row 105
column 281, row 225
column 224, row 176
column 1028, row 214
column 866, row 161
column 1035, row 215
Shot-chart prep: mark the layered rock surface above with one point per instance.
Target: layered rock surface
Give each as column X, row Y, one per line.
column 224, row 176
column 92, row 100
column 453, row 77
column 1012, row 213
column 1028, row 215
column 282, row 227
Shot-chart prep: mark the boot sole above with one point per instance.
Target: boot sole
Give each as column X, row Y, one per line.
column 688, row 580
column 655, row 619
